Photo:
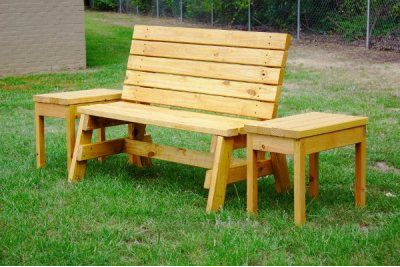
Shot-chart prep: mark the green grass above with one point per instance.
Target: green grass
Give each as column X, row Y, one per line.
column 123, row 215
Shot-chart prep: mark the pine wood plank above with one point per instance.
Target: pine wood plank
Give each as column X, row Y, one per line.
column 234, row 72
column 299, row 157
column 220, row 173
column 78, row 97
column 246, row 56
column 100, row 149
column 173, row 154
column 304, row 125
column 264, row 40
column 236, row 106
column 159, row 116
column 255, row 91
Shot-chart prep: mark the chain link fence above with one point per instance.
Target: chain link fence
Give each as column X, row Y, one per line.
column 370, row 23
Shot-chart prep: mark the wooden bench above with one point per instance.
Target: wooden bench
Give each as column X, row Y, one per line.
column 172, row 74
column 63, row 105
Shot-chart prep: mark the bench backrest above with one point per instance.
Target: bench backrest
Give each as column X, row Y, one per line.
column 232, row 72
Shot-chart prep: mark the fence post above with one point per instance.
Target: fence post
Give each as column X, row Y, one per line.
column 298, row 19
column 249, row 16
column 181, row 7
column 368, row 23
column 137, row 9
column 120, row 6
column 212, row 13
column 158, row 9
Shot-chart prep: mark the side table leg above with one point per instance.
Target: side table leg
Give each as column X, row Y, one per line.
column 70, row 134
column 39, row 140
column 299, row 159
column 314, row 175
column 252, row 177
column 360, row 183
column 101, row 135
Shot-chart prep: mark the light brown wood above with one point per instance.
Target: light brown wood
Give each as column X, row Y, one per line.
column 254, row 91
column 281, row 172
column 160, row 116
column 39, row 139
column 78, row 168
column 360, row 176
column 327, row 131
column 299, row 157
column 246, row 56
column 220, row 173
column 314, row 174
column 101, row 137
column 221, row 104
column 173, row 154
column 238, row 171
column 272, row 144
column 78, row 97
column 264, row 40
column 51, row 110
column 137, row 131
column 70, row 134
column 233, row 72
column 332, row 140
column 252, row 177
column 100, row 149
column 307, row 124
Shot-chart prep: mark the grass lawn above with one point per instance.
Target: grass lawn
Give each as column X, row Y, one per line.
column 123, row 215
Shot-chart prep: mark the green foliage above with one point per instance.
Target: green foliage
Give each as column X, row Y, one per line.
column 105, row 4
column 344, row 17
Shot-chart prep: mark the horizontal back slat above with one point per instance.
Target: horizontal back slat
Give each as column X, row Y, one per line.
column 248, row 56
column 279, row 41
column 244, row 107
column 245, row 90
column 234, row 72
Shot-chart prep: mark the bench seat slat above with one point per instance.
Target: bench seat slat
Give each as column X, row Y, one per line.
column 261, row 92
column 279, row 41
column 234, row 72
column 165, row 117
column 237, row 106
column 248, row 56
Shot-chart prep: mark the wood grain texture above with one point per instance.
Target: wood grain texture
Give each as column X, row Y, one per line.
column 161, row 116
column 246, row 56
column 233, row 72
column 234, row 89
column 279, row 41
column 221, row 104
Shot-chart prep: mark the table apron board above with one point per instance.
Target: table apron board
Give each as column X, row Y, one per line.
column 311, row 144
column 61, row 111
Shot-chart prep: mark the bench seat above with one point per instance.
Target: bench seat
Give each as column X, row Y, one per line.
column 166, row 117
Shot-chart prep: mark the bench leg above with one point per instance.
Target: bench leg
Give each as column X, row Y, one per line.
column 252, row 177
column 137, row 131
column 78, row 168
column 314, row 175
column 70, row 134
column 220, row 172
column 281, row 172
column 101, row 137
column 39, row 140
column 360, row 183
column 299, row 159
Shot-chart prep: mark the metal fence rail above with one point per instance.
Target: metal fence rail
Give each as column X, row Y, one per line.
column 372, row 23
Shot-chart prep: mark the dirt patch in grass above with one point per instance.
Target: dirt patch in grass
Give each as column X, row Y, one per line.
column 385, row 168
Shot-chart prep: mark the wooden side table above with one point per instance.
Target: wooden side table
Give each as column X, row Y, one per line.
column 300, row 135
column 63, row 105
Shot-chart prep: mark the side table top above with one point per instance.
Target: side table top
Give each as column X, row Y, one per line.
column 78, row 97
column 305, row 125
